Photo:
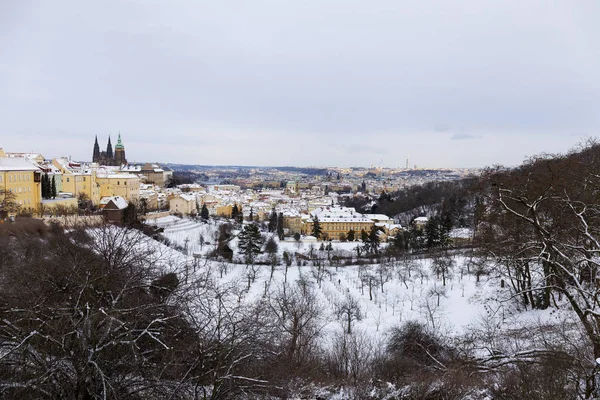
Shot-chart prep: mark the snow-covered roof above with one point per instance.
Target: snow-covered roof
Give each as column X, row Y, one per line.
column 118, row 201
column 111, row 175
column 339, row 214
column 187, row 197
column 379, row 217
column 16, row 164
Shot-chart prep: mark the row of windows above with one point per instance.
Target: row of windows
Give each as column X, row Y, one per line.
column 23, row 189
column 17, row 177
column 334, row 226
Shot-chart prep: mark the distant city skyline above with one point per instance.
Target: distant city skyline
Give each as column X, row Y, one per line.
column 317, row 83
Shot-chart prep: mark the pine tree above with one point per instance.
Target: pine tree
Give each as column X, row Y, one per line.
column 364, row 236
column 45, row 186
column 317, row 231
column 204, row 212
column 351, row 236
column 372, row 240
column 235, row 212
column 280, row 226
column 250, row 242
column 130, row 216
column 53, row 188
column 273, row 221
column 434, row 235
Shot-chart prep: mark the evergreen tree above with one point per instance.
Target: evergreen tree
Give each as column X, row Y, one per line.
column 273, row 221
column 235, row 212
column 143, row 206
column 251, row 216
column 436, row 232
column 130, row 216
column 45, row 186
column 204, row 212
column 317, row 231
column 53, row 188
column 280, row 226
column 250, row 242
column 351, row 236
column 364, row 236
column 372, row 242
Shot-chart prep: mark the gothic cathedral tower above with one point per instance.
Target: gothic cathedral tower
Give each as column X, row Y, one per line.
column 96, row 156
column 120, row 153
column 109, row 152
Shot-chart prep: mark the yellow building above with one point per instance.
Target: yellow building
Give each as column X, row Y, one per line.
column 292, row 222
column 183, row 204
column 77, row 179
column 96, row 183
column 336, row 221
column 22, row 180
column 81, row 183
column 114, row 184
column 226, row 210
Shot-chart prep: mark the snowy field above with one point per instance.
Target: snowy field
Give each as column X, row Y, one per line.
column 461, row 306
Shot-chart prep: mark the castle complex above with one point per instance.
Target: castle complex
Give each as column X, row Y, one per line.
column 108, row 157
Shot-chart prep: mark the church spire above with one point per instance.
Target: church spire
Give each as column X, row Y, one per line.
column 96, row 154
column 120, row 152
column 119, row 143
column 109, row 150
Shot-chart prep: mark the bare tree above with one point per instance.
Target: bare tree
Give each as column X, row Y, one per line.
column 348, row 310
column 442, row 265
column 297, row 320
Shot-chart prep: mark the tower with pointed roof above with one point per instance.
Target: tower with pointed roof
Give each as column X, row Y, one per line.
column 120, row 153
column 96, row 156
column 109, row 151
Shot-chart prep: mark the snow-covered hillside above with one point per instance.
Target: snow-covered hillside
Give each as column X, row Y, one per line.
column 410, row 289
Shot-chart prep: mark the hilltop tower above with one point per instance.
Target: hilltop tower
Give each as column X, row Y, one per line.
column 96, row 156
column 120, row 153
column 109, row 151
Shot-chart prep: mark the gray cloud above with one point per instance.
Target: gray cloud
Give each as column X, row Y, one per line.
column 184, row 79
column 464, row 136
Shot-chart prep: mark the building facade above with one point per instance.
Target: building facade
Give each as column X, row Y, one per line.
column 21, row 181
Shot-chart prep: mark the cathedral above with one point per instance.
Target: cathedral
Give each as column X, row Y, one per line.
column 108, row 157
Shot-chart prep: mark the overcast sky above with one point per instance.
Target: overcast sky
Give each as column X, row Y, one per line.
column 462, row 83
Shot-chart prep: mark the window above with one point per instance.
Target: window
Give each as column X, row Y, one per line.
column 68, row 179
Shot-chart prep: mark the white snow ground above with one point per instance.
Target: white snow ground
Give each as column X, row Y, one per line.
column 464, row 304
